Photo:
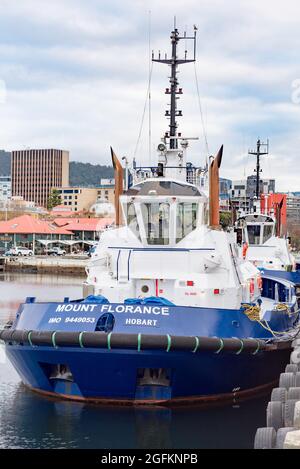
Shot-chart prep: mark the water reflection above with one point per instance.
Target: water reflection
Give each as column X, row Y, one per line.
column 14, row 288
column 28, row 420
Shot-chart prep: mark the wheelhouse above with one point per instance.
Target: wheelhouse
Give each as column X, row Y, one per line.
column 257, row 229
column 162, row 212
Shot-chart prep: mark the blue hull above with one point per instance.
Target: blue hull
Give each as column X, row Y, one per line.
column 293, row 277
column 107, row 375
column 146, row 376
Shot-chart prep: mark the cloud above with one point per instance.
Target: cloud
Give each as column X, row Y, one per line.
column 76, row 77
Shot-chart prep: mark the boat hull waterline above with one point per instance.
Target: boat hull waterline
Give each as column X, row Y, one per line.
column 165, row 363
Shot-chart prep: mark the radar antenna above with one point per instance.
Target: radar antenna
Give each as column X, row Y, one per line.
column 258, row 153
column 173, row 91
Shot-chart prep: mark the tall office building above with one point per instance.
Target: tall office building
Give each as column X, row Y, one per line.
column 5, row 188
column 35, row 172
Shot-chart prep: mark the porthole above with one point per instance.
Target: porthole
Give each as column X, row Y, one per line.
column 105, row 323
column 145, row 289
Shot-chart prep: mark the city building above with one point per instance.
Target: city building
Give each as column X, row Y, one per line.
column 61, row 211
column 31, row 232
column 243, row 192
column 293, row 208
column 85, row 229
column 5, row 188
column 103, row 208
column 275, row 204
column 78, row 199
column 225, row 194
column 107, row 182
column 5, row 163
column 107, row 192
column 35, row 172
column 239, row 195
column 266, row 186
column 82, row 199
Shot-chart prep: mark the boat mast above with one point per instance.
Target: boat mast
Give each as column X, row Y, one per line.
column 173, row 91
column 258, row 153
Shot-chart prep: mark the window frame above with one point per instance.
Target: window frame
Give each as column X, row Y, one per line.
column 173, row 202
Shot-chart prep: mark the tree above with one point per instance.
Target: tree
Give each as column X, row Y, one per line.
column 225, row 219
column 54, row 199
column 294, row 234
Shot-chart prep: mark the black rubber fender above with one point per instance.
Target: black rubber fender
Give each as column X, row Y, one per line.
column 138, row 342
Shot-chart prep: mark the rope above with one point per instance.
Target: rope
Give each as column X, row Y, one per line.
column 268, row 328
column 53, row 339
column 29, row 338
column 149, row 96
column 221, row 347
column 282, row 307
column 201, row 112
column 242, row 347
column 144, row 112
column 80, row 339
column 169, row 343
column 252, row 312
column 108, row 341
column 258, row 348
column 139, row 342
column 197, row 344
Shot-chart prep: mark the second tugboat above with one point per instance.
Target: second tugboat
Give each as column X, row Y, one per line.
column 171, row 313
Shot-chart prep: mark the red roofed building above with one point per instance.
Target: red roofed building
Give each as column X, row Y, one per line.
column 27, row 230
column 36, row 234
column 87, row 229
column 61, row 211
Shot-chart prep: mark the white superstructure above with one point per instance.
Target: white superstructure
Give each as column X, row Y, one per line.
column 261, row 245
column 171, row 244
column 166, row 247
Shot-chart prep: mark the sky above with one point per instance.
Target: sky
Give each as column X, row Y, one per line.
column 74, row 75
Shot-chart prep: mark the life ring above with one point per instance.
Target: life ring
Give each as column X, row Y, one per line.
column 245, row 249
column 259, row 282
column 252, row 287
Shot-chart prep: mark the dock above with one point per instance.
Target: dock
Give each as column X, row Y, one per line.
column 2, row 264
column 282, row 429
column 44, row 264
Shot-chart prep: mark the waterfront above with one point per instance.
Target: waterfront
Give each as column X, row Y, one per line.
column 30, row 421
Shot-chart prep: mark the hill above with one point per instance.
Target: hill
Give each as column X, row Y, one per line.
column 86, row 174
column 81, row 174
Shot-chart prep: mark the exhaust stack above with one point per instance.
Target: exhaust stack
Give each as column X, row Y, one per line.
column 118, row 185
column 214, row 191
column 278, row 213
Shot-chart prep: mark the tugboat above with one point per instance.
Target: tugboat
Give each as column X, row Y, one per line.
column 263, row 241
column 171, row 313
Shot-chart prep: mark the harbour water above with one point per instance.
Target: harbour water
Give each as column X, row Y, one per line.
column 30, row 421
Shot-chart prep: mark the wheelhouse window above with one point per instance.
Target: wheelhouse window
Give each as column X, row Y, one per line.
column 156, row 218
column 186, row 219
column 131, row 219
column 254, row 234
column 268, row 231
